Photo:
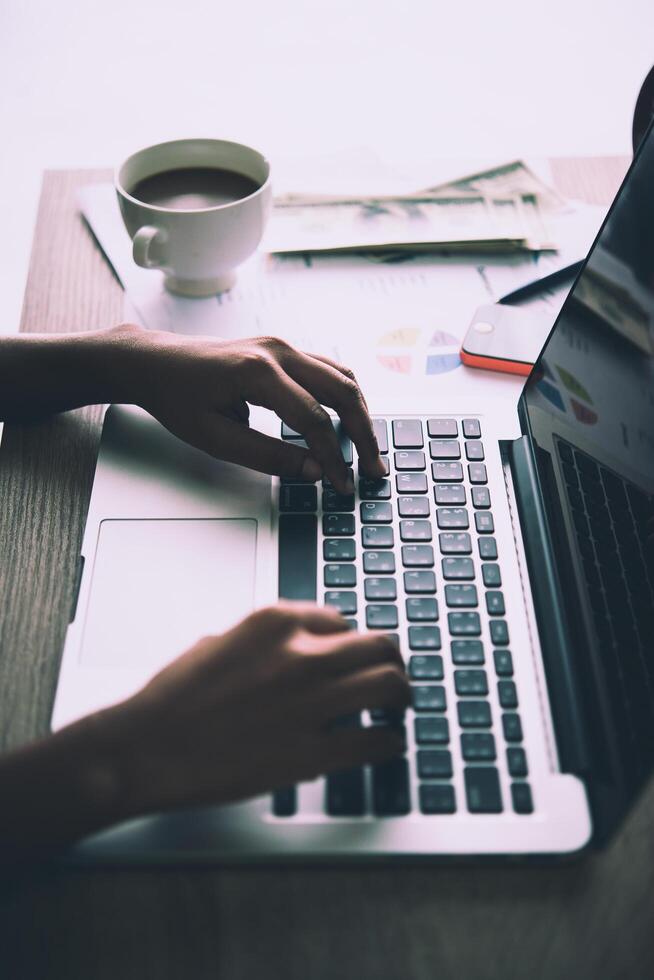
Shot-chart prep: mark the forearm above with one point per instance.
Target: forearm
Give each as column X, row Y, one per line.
column 45, row 373
column 61, row 788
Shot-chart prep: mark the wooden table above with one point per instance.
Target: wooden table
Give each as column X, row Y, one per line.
column 590, row 919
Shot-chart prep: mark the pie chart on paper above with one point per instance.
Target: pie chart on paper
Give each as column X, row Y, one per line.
column 411, row 350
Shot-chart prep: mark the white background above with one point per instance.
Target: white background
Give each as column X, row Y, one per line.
column 83, row 83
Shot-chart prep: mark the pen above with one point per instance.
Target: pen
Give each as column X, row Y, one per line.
column 539, row 285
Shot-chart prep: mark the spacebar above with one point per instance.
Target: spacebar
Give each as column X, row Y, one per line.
column 298, row 552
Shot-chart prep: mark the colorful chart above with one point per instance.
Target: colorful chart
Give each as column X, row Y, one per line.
column 404, row 351
column 580, row 399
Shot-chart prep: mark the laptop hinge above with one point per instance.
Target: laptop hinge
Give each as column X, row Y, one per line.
column 554, row 635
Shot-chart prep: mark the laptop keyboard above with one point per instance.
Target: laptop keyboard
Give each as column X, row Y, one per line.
column 609, row 515
column 414, row 555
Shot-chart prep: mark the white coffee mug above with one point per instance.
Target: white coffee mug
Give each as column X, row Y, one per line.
column 197, row 250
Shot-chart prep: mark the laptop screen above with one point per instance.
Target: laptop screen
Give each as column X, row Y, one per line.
column 590, row 406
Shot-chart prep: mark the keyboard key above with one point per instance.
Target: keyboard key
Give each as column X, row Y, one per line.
column 431, row 731
column 470, row 683
column 297, row 556
column 374, row 489
column 378, row 562
column 426, row 668
column 436, row 798
column 327, row 483
column 521, row 796
column 442, row 429
column 390, row 788
column 478, row 747
column 516, row 761
column 301, row 497
column 345, row 442
column 503, row 663
column 461, row 595
column 345, row 602
column 495, row 604
column 381, row 434
column 512, row 727
column 424, row 638
column 337, row 525
column 458, row 569
column 487, row 548
column 284, row 802
column 411, row 483
column 465, row 652
column 464, row 624
column 447, row 472
column 340, row 576
column 345, row 794
column 415, row 530
column 416, row 582
column 455, row 544
column 376, row 512
column 447, row 449
column 381, row 617
column 483, row 789
column 289, row 433
column 491, row 575
column 410, row 460
column 474, row 451
column 449, row 493
column 471, row 428
column 407, row 434
column 484, row 522
column 421, row 610
column 480, row 495
column 507, row 694
column 474, row 714
column 477, row 473
column 333, row 501
column 450, row 517
column 377, row 537
column 377, row 589
column 434, row 764
column 413, row 506
column 352, row 624
column 417, row 556
column 499, row 631
column 338, row 549
column 429, row 697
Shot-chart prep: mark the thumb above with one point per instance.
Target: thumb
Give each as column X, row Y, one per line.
column 237, row 443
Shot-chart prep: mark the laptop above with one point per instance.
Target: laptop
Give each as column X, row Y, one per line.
column 505, row 550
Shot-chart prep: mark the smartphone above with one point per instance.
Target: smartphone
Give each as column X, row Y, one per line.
column 504, row 338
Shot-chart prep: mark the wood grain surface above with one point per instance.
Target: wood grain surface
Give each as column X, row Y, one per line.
column 590, row 919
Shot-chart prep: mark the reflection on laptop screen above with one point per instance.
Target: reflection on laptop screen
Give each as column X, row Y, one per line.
column 590, row 406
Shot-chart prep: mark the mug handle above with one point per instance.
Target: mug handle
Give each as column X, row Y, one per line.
column 144, row 238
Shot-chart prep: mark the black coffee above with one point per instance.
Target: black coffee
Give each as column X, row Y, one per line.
column 194, row 188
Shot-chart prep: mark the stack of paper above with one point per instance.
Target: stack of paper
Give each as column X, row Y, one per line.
column 498, row 211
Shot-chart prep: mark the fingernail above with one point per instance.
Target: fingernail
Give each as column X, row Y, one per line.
column 311, row 470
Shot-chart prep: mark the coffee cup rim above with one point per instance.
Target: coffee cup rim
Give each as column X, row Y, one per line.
column 121, row 189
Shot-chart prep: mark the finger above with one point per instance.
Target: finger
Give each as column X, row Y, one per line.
column 337, row 387
column 235, row 443
column 308, row 616
column 349, row 748
column 345, row 371
column 383, row 686
column 353, row 651
column 300, row 409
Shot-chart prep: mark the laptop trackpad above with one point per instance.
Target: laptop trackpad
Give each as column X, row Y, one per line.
column 159, row 585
